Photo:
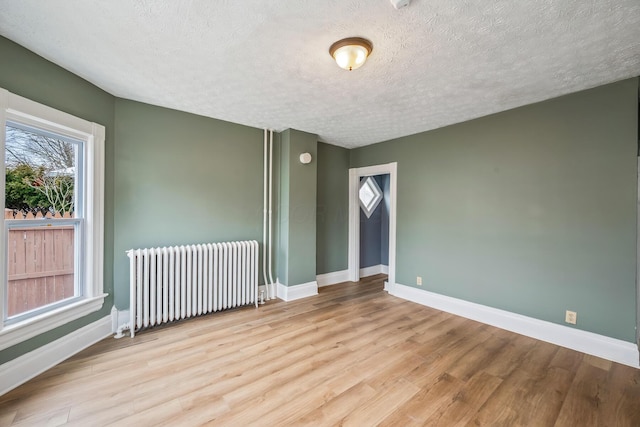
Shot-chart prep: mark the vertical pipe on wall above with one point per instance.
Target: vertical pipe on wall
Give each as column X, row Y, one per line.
column 265, row 246
column 132, row 291
column 272, row 293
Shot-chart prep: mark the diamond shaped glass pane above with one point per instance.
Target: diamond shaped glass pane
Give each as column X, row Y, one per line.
column 370, row 195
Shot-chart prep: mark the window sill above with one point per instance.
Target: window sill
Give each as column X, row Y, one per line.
column 19, row 332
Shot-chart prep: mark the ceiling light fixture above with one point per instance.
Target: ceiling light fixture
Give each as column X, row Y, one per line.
column 351, row 53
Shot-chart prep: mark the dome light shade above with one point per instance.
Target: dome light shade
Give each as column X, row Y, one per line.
column 351, row 53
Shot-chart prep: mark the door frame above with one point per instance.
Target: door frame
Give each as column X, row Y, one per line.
column 638, row 257
column 354, row 218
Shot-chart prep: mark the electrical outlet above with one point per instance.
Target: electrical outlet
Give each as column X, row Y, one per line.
column 419, row 281
column 571, row 317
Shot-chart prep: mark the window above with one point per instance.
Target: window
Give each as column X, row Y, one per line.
column 52, row 231
column 370, row 195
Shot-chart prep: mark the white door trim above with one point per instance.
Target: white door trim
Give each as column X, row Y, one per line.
column 637, row 260
column 354, row 218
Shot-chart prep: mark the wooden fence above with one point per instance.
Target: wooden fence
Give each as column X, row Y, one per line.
column 15, row 214
column 40, row 265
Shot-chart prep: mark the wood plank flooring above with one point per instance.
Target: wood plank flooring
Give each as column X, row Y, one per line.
column 353, row 356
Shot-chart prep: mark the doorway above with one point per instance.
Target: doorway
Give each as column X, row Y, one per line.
column 374, row 225
column 355, row 176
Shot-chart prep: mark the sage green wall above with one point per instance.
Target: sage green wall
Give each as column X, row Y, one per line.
column 26, row 74
column 332, row 226
column 532, row 210
column 281, row 247
column 296, row 250
column 182, row 179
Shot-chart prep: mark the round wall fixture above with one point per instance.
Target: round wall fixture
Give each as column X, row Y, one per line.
column 305, row 158
column 351, row 53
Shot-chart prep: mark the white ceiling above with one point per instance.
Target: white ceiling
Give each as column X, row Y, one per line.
column 266, row 63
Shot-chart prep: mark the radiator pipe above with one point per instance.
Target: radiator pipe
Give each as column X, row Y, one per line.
column 265, row 245
column 132, row 293
column 272, row 292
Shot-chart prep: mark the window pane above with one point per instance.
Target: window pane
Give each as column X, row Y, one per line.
column 41, row 267
column 41, row 170
column 366, row 194
column 370, row 195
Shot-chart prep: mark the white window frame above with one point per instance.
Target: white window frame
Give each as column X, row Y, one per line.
column 18, row 109
column 370, row 208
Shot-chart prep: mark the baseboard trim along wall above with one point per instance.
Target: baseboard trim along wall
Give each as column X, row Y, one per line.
column 342, row 276
column 119, row 318
column 20, row 370
column 332, row 278
column 586, row 342
column 291, row 293
column 373, row 270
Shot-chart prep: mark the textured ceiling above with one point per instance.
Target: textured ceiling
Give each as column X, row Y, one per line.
column 266, row 63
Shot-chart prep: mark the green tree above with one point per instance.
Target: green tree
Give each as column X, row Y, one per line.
column 19, row 194
column 40, row 171
column 58, row 189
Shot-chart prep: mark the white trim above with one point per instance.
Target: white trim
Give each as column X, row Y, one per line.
column 372, row 270
column 393, row 215
column 384, row 269
column 586, row 342
column 16, row 333
column 94, row 215
column 114, row 319
column 119, row 318
column 20, row 370
column 4, row 105
column 354, row 217
column 638, row 256
column 45, row 117
column 354, row 227
column 332, row 278
column 291, row 293
column 26, row 111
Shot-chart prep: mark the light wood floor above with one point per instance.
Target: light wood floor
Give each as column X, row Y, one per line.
column 353, row 355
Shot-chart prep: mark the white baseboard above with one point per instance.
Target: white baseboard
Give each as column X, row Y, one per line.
column 342, row 276
column 20, row 370
column 586, row 342
column 119, row 318
column 332, row 278
column 373, row 270
column 290, row 293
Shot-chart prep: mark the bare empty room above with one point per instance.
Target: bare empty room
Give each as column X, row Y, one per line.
column 384, row 212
